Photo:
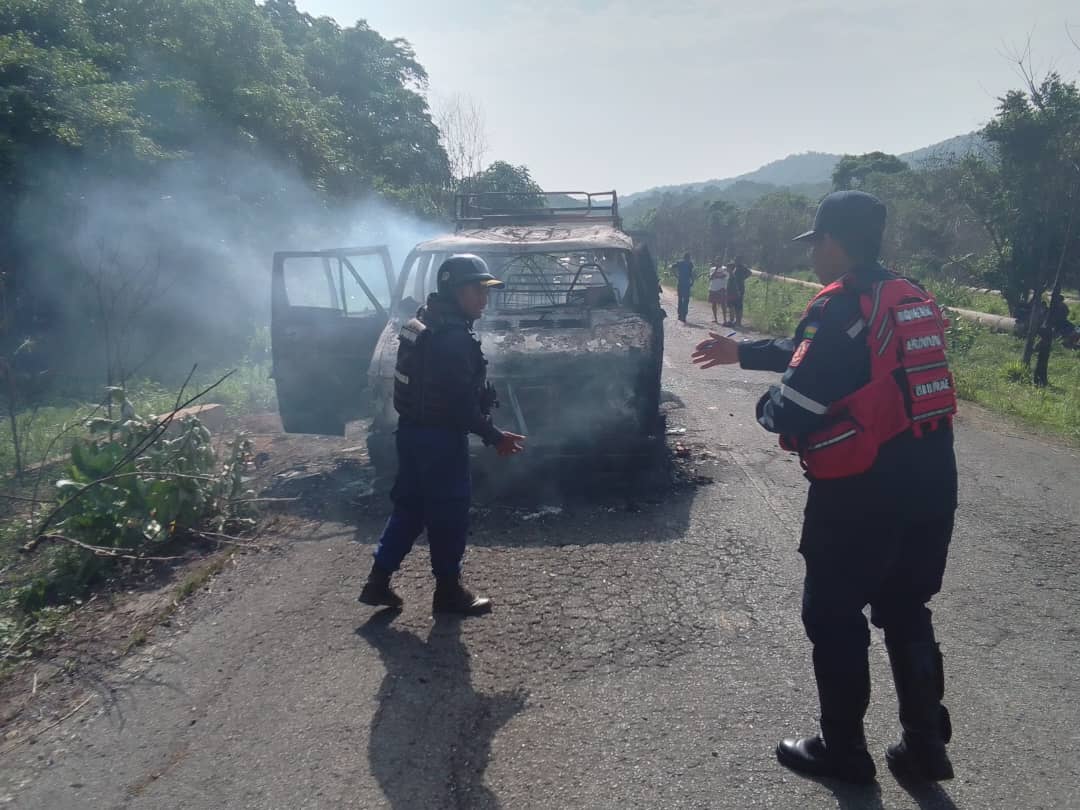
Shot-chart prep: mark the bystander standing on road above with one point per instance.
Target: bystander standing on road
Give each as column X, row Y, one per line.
column 737, row 291
column 684, row 278
column 718, row 296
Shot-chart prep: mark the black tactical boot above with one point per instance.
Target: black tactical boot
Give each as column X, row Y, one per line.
column 920, row 685
column 452, row 597
column 377, row 590
column 839, row 752
column 850, row 762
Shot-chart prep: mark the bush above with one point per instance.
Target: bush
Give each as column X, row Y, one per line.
column 130, row 491
column 961, row 335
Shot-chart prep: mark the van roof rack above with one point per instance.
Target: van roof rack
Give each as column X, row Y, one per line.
column 488, row 208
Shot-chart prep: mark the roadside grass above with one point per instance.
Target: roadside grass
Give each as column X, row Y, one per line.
column 990, row 373
column 986, row 364
column 775, row 307
column 46, row 432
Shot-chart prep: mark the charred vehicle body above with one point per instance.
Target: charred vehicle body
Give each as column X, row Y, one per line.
column 574, row 340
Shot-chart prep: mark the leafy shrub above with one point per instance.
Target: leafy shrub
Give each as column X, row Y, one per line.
column 130, row 489
column 961, row 335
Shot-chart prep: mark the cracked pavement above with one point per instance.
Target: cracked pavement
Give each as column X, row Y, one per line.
column 643, row 652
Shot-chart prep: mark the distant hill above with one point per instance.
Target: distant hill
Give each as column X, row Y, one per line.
column 809, row 173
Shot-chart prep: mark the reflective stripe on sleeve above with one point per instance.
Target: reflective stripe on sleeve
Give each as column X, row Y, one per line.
column 885, row 343
column 803, row 401
column 834, row 440
column 856, row 328
column 877, row 304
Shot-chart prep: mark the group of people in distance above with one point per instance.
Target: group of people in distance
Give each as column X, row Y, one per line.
column 727, row 289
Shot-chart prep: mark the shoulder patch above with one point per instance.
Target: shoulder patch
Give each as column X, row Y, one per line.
column 810, row 331
column 800, row 353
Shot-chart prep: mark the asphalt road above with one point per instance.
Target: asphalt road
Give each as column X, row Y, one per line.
column 641, row 654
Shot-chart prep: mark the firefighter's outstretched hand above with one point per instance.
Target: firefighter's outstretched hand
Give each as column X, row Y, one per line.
column 716, row 351
column 510, row 444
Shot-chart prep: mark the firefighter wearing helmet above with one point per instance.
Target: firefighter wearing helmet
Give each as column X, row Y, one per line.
column 441, row 395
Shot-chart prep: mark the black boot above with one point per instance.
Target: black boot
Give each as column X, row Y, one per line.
column 377, row 590
column 920, row 685
column 452, row 597
column 839, row 752
column 815, row 757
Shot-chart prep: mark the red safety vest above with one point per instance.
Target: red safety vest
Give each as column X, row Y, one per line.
column 910, row 385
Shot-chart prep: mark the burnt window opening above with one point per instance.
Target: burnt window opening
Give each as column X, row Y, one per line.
column 589, row 278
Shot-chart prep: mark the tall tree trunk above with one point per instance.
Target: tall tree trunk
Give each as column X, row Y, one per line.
column 1041, row 375
column 13, row 420
column 1036, row 315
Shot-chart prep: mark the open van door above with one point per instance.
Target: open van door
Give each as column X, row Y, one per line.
column 328, row 309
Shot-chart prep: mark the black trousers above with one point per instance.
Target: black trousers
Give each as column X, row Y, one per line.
column 684, row 302
column 893, row 565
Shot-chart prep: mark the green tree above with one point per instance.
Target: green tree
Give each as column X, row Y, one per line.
column 927, row 227
column 724, row 223
column 852, row 170
column 1027, row 194
column 771, row 222
column 256, row 116
column 503, row 177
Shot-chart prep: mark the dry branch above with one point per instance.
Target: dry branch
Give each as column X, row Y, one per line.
column 230, row 540
column 99, row 551
column 33, row 736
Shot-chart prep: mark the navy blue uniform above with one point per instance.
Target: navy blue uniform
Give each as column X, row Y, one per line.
column 684, row 274
column 441, row 396
column 880, row 538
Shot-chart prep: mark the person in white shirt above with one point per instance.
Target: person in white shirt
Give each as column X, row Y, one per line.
column 718, row 297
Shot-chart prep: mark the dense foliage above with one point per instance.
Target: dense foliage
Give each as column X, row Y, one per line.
column 929, row 228
column 132, row 84
column 153, row 154
column 1026, row 193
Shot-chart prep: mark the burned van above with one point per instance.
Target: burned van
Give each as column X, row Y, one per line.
column 574, row 339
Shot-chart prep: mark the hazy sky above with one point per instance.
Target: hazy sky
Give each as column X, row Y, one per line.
column 598, row 94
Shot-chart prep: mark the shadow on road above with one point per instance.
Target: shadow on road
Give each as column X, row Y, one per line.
column 930, row 797
column 431, row 735
column 868, row 797
column 855, row 797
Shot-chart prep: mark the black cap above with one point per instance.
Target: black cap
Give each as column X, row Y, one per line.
column 457, row 271
column 855, row 219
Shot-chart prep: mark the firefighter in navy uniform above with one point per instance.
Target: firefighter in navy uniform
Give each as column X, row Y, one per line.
column 441, row 395
column 866, row 399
